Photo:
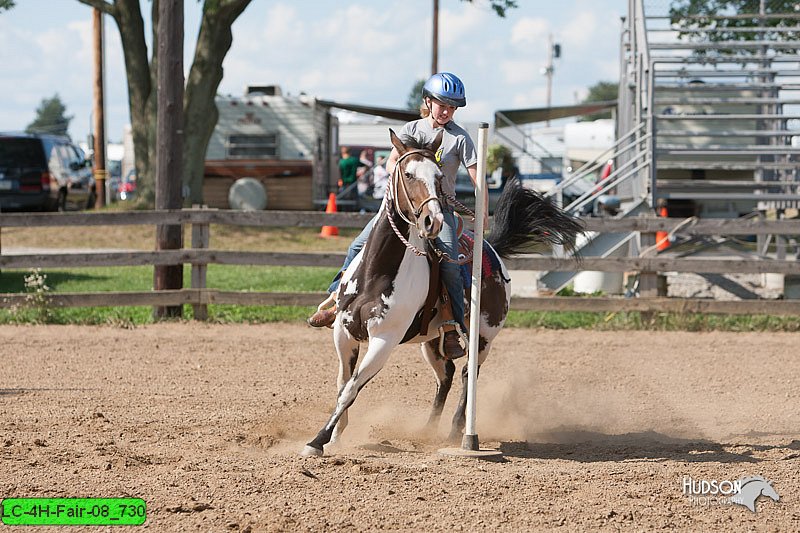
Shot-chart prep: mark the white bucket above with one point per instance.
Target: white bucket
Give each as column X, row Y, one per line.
column 591, row 281
column 524, row 283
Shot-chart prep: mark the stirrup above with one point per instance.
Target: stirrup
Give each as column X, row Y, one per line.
column 458, row 330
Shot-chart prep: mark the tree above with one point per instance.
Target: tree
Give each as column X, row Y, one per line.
column 602, row 91
column 500, row 156
column 6, row 4
column 500, row 6
column 200, row 112
column 415, row 96
column 50, row 117
column 703, row 20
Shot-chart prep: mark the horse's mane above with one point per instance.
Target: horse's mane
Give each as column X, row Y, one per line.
column 413, row 144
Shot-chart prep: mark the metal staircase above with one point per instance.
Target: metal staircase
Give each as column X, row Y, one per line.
column 706, row 127
column 720, row 112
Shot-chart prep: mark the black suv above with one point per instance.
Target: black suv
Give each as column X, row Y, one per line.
column 43, row 173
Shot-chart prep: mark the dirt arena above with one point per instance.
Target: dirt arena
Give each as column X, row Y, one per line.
column 598, row 430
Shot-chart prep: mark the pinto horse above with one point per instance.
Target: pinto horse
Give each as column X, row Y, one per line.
column 383, row 291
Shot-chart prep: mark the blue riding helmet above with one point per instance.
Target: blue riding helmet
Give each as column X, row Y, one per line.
column 447, row 88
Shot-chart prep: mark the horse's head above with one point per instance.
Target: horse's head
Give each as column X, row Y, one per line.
column 416, row 186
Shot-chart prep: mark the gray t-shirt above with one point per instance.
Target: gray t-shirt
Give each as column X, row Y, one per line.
column 456, row 147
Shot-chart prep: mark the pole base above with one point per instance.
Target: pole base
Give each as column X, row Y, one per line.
column 478, row 454
column 470, row 448
column 470, row 442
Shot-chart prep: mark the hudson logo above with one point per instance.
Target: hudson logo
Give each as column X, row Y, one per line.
column 744, row 491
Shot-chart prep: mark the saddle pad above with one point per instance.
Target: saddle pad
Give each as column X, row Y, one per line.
column 491, row 263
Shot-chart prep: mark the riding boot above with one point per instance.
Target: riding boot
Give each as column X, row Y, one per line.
column 452, row 345
column 452, row 340
column 322, row 318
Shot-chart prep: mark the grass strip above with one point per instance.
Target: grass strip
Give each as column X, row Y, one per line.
column 313, row 279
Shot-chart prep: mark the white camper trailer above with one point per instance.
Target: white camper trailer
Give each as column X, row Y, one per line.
column 282, row 142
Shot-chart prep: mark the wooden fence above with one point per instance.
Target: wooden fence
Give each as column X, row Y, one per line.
column 200, row 255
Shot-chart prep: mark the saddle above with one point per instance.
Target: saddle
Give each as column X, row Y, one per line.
column 436, row 290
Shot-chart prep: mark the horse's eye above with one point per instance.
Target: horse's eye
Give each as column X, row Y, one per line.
column 409, row 175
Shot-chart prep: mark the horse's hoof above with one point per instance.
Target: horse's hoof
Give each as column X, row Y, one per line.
column 310, row 451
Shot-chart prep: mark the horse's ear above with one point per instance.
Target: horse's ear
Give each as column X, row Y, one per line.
column 437, row 142
column 397, row 143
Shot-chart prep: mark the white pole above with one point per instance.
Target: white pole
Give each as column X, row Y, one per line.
column 470, row 441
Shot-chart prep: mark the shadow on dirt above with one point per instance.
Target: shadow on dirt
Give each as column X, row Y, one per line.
column 20, row 391
column 588, row 447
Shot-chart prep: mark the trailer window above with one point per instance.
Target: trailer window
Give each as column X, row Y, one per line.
column 251, row 146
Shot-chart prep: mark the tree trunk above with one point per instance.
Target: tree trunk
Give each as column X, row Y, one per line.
column 127, row 15
column 169, row 155
column 200, row 110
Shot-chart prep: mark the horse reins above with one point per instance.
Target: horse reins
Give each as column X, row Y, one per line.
column 396, row 180
column 396, row 183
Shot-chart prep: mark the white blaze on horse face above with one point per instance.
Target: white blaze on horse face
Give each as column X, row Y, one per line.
column 427, row 172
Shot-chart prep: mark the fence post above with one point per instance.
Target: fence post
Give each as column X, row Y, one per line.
column 651, row 284
column 200, row 239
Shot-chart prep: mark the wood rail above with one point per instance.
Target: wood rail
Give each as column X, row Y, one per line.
column 199, row 256
column 355, row 220
column 203, row 297
column 334, row 259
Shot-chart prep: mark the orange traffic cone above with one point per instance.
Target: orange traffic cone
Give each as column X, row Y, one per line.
column 330, row 231
column 662, row 237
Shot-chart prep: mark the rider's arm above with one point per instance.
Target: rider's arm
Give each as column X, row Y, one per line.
column 472, row 170
column 392, row 161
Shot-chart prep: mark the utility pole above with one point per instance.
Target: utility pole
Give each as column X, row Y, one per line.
column 553, row 52
column 169, row 144
column 99, row 113
column 435, row 44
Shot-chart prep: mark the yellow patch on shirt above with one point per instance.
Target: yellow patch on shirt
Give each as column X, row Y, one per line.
column 439, row 154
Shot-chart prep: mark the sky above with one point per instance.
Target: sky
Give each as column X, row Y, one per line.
column 357, row 51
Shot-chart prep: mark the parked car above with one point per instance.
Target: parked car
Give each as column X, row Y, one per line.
column 43, row 173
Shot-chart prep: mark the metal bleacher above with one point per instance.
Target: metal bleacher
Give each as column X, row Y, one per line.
column 708, row 119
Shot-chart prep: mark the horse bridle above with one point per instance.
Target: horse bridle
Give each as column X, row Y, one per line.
column 393, row 197
column 398, row 181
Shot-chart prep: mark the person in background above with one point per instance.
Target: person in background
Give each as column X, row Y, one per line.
column 348, row 167
column 364, row 173
column 442, row 95
column 380, row 178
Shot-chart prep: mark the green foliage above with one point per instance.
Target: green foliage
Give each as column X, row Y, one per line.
column 50, row 117
column 224, row 277
column 690, row 17
column 499, row 156
column 6, row 4
column 500, row 6
column 38, row 286
column 652, row 321
column 414, row 99
column 112, row 279
column 602, row 91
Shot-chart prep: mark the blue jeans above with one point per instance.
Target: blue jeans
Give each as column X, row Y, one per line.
column 451, row 272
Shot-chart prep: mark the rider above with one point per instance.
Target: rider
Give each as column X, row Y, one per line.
column 442, row 95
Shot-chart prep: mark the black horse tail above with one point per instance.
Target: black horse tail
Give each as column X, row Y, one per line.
column 523, row 218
